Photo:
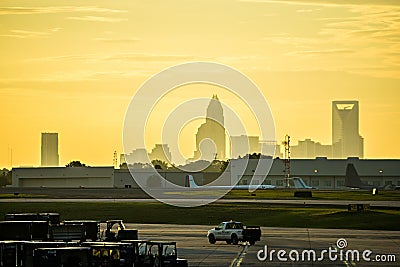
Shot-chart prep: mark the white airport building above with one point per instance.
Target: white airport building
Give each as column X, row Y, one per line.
column 63, row 177
column 321, row 173
column 324, row 173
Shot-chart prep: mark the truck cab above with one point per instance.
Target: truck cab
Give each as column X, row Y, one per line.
column 232, row 232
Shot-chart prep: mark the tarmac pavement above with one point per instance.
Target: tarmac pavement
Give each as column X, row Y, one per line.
column 193, row 245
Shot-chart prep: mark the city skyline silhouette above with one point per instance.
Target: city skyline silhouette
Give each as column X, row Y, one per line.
column 73, row 68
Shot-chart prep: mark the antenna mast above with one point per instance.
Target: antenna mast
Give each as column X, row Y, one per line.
column 115, row 161
column 286, row 160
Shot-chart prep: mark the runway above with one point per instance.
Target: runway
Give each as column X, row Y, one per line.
column 193, row 245
column 392, row 204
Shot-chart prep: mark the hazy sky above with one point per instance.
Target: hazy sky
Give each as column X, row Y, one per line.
column 72, row 67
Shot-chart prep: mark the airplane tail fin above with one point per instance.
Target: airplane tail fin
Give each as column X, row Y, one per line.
column 352, row 179
column 190, row 182
column 299, row 183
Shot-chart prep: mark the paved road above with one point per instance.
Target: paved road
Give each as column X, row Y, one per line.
column 193, row 246
column 287, row 239
column 393, row 204
column 191, row 242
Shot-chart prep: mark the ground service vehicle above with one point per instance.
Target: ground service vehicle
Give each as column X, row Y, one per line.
column 67, row 232
column 116, row 231
column 24, row 230
column 49, row 242
column 43, row 230
column 162, row 254
column 92, row 228
column 20, row 253
column 63, row 257
column 233, row 232
column 112, row 254
column 139, row 254
column 53, row 218
column 47, row 226
column 11, row 253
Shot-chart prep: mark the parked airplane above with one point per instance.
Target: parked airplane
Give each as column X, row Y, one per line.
column 353, row 180
column 295, row 182
column 192, row 184
column 298, row 183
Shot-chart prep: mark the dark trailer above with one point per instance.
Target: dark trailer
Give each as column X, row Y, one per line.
column 24, row 230
column 53, row 218
column 92, row 228
column 11, row 254
column 62, row 257
column 20, row 253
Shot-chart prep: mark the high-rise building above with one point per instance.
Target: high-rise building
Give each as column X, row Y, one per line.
column 243, row 144
column 49, row 149
column 160, row 152
column 136, row 156
column 346, row 139
column 270, row 149
column 309, row 149
column 214, row 130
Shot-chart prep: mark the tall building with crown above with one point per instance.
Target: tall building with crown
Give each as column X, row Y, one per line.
column 210, row 136
column 346, row 139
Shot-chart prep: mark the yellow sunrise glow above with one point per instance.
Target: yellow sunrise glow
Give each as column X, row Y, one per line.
column 73, row 67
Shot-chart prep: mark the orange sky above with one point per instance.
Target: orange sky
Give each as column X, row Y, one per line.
column 72, row 67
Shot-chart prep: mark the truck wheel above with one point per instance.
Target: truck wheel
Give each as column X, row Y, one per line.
column 211, row 239
column 252, row 242
column 234, row 239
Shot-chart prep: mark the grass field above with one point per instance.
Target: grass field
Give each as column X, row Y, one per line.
column 250, row 214
column 361, row 195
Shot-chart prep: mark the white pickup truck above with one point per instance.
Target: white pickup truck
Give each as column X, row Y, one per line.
column 233, row 232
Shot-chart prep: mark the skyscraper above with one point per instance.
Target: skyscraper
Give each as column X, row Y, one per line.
column 310, row 149
column 49, row 149
column 346, row 139
column 160, row 152
column 242, row 145
column 214, row 130
column 138, row 155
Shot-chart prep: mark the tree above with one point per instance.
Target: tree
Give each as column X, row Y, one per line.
column 4, row 171
column 76, row 163
column 224, row 165
column 5, row 177
column 255, row 156
column 159, row 164
column 123, row 166
column 217, row 166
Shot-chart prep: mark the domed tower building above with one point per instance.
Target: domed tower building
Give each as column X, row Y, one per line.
column 214, row 130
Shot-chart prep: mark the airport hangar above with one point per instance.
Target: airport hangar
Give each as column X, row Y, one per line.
column 321, row 173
